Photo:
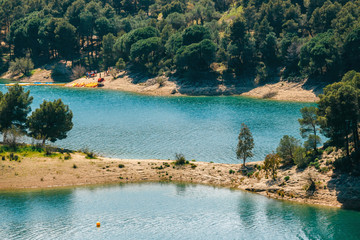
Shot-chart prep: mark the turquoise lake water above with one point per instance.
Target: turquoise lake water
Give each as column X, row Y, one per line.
column 167, row 211
column 124, row 125
column 118, row 124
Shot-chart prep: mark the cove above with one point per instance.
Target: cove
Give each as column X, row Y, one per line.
column 166, row 211
column 124, row 125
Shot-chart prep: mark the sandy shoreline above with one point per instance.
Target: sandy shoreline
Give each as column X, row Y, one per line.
column 283, row 91
column 53, row 172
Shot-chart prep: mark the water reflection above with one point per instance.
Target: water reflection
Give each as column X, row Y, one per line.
column 26, row 210
column 166, row 211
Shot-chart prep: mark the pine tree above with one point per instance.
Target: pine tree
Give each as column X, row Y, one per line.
column 14, row 108
column 245, row 144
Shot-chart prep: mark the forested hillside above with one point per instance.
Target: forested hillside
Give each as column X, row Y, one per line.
column 292, row 39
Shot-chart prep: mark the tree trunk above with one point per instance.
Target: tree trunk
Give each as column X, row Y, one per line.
column 43, row 142
column 315, row 142
column 356, row 138
column 4, row 136
column 347, row 145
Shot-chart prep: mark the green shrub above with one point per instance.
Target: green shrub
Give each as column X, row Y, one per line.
column 287, row 148
column 180, row 159
column 258, row 167
column 249, row 174
column 67, row 156
column 121, row 165
column 48, row 151
column 231, row 171
column 329, row 150
column 300, row 158
column 315, row 164
column 13, row 157
column 21, row 65
column 286, row 178
column 324, row 169
column 74, row 166
column 343, row 164
column 89, row 154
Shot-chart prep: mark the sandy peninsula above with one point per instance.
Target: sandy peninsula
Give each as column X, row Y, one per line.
column 54, row 172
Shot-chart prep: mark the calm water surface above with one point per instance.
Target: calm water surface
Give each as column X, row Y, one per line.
column 167, row 211
column 118, row 124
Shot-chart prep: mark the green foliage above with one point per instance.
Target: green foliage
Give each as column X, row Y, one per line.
column 107, row 51
column 180, row 159
column 231, row 171
column 195, row 34
column 309, row 127
column 258, row 38
column 21, row 65
column 312, row 142
column 176, row 20
column 315, row 164
column 351, row 53
column 300, row 158
column 339, row 112
column 51, row 121
column 123, row 45
column 120, row 64
column 65, row 39
column 320, row 56
column 245, row 144
column 287, row 178
column 147, row 53
column 329, row 150
column 271, row 163
column 67, row 156
column 286, row 149
column 121, row 165
column 197, row 56
column 88, row 153
column 14, row 108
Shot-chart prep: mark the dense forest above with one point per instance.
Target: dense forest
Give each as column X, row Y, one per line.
column 292, row 39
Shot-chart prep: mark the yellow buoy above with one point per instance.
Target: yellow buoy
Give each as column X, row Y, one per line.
column 98, row 224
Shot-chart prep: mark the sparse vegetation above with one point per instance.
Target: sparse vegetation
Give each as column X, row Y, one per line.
column 88, row 153
column 180, row 159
